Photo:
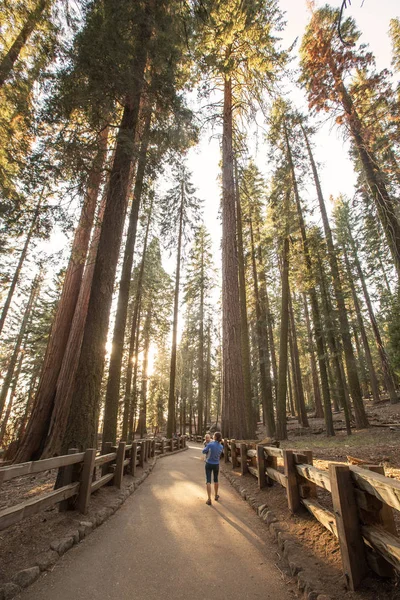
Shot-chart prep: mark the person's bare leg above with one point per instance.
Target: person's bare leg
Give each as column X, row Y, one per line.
column 216, row 490
column 209, row 491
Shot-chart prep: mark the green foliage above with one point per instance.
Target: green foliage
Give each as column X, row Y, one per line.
column 236, row 40
column 179, row 202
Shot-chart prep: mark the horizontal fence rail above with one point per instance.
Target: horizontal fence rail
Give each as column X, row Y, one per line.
column 363, row 500
column 78, row 477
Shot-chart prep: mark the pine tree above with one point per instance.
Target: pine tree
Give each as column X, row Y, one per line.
column 325, row 63
column 181, row 209
column 198, row 287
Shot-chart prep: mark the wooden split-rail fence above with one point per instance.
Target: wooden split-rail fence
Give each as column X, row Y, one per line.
column 82, row 474
column 363, row 500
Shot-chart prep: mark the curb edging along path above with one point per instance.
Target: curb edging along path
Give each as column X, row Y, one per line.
column 57, row 548
column 285, row 542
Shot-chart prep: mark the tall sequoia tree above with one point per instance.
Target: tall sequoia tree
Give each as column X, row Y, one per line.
column 164, row 130
column 32, row 443
column 236, row 49
column 82, row 424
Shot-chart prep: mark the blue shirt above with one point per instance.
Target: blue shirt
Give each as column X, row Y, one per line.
column 213, row 451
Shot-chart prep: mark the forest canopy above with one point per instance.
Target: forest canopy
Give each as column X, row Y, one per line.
column 128, row 306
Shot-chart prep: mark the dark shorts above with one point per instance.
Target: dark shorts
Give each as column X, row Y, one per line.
column 212, row 469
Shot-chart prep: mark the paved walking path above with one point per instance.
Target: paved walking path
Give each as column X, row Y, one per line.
column 165, row 543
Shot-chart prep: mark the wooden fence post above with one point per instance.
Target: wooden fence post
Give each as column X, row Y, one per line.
column 162, row 448
column 262, row 479
column 141, row 454
column 348, row 525
column 119, row 467
column 132, row 466
column 307, row 489
column 85, row 487
column 226, row 451
column 233, row 454
column 384, row 515
column 69, row 475
column 148, row 449
column 243, row 463
column 376, row 512
column 292, row 490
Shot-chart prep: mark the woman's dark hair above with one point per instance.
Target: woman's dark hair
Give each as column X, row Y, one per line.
column 217, row 436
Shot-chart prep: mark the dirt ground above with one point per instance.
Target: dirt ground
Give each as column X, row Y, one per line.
column 380, row 444
column 21, row 543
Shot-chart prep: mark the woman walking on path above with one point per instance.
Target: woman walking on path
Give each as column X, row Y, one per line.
column 213, row 452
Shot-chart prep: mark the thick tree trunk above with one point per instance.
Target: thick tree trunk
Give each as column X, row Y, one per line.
column 20, row 263
column 250, row 418
column 263, row 349
column 234, row 419
column 172, row 375
column 81, row 430
column 351, row 367
column 31, row 446
column 66, row 377
column 10, row 58
column 114, row 373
